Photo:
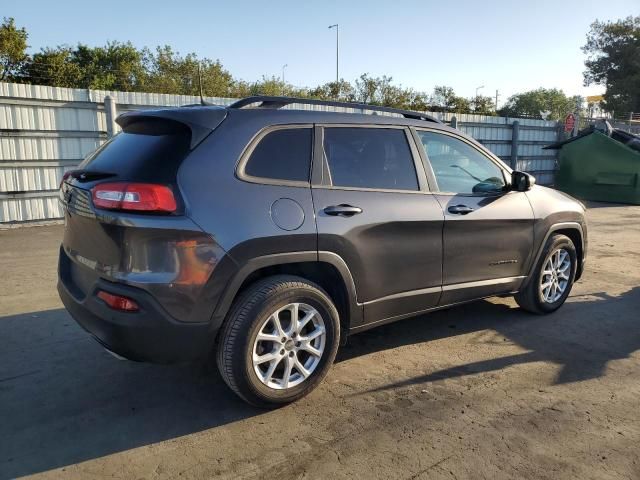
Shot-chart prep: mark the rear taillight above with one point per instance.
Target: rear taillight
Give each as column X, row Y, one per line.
column 118, row 302
column 146, row 197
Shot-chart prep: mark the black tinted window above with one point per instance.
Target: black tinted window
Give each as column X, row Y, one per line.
column 282, row 155
column 370, row 158
column 140, row 157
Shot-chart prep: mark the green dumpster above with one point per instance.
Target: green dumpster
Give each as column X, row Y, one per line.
column 594, row 166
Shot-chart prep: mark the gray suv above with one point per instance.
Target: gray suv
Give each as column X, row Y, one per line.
column 267, row 234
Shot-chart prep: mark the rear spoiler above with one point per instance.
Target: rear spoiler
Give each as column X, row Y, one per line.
column 201, row 121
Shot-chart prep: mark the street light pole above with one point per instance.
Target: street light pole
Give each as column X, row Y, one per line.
column 337, row 49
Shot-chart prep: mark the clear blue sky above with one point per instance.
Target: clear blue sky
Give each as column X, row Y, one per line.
column 511, row 46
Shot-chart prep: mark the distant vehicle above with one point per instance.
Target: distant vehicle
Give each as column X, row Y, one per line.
column 268, row 235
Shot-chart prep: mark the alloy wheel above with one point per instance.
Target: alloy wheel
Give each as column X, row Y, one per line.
column 555, row 276
column 289, row 346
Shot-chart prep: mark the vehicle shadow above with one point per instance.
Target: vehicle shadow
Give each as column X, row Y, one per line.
column 64, row 400
column 581, row 337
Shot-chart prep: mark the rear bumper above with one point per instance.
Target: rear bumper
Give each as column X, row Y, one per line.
column 147, row 335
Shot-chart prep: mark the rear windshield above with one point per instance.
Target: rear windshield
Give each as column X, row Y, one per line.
column 144, row 157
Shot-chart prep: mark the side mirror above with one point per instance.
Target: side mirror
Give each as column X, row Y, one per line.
column 522, row 181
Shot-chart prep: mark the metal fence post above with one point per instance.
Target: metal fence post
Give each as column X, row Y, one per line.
column 515, row 134
column 110, row 112
column 454, row 122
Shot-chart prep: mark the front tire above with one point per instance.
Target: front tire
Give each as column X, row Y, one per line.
column 278, row 341
column 552, row 279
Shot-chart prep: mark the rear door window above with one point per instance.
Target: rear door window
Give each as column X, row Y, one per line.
column 378, row 158
column 282, row 155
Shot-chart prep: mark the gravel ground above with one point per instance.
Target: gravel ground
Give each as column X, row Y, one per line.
column 479, row 391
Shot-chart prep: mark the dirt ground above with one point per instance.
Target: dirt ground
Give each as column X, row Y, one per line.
column 480, row 391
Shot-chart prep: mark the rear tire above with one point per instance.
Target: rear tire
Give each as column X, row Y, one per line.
column 266, row 357
column 552, row 278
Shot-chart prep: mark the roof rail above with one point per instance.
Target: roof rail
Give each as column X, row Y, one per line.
column 279, row 102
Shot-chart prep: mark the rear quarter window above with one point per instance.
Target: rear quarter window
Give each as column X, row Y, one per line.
column 282, row 155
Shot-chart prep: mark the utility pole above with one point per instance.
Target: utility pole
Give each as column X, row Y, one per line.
column 497, row 99
column 337, row 50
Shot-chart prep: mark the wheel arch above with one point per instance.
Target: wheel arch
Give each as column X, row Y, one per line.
column 327, row 269
column 575, row 232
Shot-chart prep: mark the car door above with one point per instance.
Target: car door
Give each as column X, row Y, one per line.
column 373, row 209
column 488, row 228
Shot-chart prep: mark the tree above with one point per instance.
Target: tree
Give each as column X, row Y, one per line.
column 116, row 66
column 53, row 66
column 169, row 72
column 381, row 91
column 483, row 105
column 535, row 102
column 13, row 49
column 342, row 91
column 444, row 99
column 613, row 51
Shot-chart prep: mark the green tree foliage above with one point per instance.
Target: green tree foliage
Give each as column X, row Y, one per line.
column 53, row 66
column 121, row 66
column 13, row 49
column 342, row 91
column 116, row 66
column 613, row 60
column 381, row 91
column 536, row 102
column 483, row 105
column 444, row 99
column 170, row 72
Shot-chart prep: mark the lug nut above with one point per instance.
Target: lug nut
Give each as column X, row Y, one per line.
column 291, row 354
column 298, row 344
column 284, row 339
column 282, row 352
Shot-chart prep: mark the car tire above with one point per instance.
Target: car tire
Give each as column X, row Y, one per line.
column 260, row 325
column 540, row 296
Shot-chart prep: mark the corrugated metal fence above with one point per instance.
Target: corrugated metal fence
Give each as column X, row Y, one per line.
column 45, row 131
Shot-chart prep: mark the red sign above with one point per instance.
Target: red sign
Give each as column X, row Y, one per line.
column 569, row 122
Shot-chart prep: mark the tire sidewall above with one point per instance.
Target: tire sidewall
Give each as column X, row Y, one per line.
column 316, row 299
column 555, row 244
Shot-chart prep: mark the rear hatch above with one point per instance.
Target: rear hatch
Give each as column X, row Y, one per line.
column 110, row 232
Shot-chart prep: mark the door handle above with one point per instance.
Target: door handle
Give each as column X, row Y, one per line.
column 342, row 210
column 460, row 209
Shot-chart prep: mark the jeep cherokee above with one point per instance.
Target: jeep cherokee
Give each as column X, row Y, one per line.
column 266, row 234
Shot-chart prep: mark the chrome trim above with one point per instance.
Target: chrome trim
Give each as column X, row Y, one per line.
column 409, row 293
column 255, row 141
column 453, row 286
column 482, row 283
